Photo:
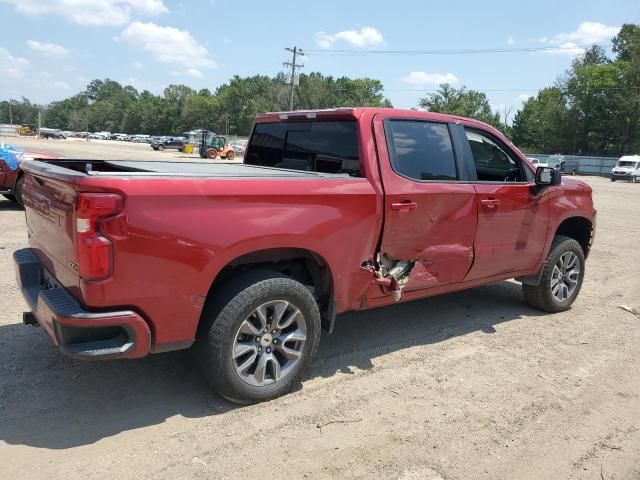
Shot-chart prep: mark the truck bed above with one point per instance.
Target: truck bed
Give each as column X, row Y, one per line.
column 127, row 168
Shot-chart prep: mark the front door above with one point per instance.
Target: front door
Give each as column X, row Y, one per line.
column 430, row 216
column 512, row 215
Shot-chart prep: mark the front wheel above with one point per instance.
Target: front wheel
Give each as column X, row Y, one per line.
column 561, row 279
column 231, row 155
column 260, row 331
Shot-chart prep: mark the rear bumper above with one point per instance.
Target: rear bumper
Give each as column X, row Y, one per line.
column 75, row 331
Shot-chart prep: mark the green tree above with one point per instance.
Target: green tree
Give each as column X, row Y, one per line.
column 541, row 123
column 461, row 101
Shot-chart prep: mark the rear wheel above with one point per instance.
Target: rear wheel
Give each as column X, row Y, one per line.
column 262, row 329
column 561, row 279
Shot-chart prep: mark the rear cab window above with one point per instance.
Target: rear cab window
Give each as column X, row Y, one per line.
column 315, row 146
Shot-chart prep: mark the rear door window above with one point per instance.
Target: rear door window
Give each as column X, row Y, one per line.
column 421, row 150
column 327, row 147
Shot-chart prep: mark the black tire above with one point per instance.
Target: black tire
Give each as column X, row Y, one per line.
column 613, row 179
column 17, row 191
column 161, row 147
column 222, row 317
column 540, row 296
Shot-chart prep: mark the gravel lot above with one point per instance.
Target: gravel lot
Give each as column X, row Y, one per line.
column 469, row 385
column 101, row 149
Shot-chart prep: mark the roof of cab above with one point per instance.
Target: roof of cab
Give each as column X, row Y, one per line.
column 357, row 112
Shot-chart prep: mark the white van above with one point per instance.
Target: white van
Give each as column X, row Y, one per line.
column 627, row 168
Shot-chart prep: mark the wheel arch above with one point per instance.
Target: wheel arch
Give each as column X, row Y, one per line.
column 304, row 265
column 580, row 229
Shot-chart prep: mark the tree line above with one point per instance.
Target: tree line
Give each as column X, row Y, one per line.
column 106, row 105
column 592, row 109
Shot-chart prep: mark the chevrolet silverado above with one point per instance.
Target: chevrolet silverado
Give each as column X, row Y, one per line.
column 331, row 211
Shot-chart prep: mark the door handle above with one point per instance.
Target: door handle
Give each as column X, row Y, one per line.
column 491, row 202
column 404, row 206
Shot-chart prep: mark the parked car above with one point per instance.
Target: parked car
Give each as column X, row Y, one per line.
column 536, row 162
column 627, row 168
column 11, row 177
column 51, row 133
column 168, row 143
column 332, row 211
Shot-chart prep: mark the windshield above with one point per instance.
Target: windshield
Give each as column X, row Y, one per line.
column 624, row 164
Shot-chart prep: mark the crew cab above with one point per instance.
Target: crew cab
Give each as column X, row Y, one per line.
column 331, row 211
column 168, row 142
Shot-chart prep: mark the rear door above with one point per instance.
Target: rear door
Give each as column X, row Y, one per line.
column 512, row 215
column 430, row 215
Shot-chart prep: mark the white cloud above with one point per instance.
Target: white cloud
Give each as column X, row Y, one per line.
column 90, row 12
column 587, row 33
column 424, row 78
column 511, row 41
column 137, row 65
column 523, row 97
column 12, row 67
column 571, row 44
column 194, row 72
column 365, row 37
column 48, row 49
column 168, row 44
column 569, row 48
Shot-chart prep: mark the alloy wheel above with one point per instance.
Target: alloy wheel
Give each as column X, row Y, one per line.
column 269, row 343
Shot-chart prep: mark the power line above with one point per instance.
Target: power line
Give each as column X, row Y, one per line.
column 468, row 51
column 295, row 51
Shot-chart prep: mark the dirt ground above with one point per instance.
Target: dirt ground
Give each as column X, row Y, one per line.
column 469, row 385
column 101, row 149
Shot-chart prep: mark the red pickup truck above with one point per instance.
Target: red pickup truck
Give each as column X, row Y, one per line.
column 332, row 211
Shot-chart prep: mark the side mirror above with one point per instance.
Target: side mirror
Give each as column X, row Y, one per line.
column 546, row 176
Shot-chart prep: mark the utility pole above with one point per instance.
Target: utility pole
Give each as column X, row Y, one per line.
column 10, row 114
column 293, row 65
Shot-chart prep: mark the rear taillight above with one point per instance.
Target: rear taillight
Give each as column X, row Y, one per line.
column 94, row 252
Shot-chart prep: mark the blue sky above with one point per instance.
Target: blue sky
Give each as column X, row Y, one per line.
column 50, row 49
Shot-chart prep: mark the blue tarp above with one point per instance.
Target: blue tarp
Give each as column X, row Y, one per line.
column 10, row 155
